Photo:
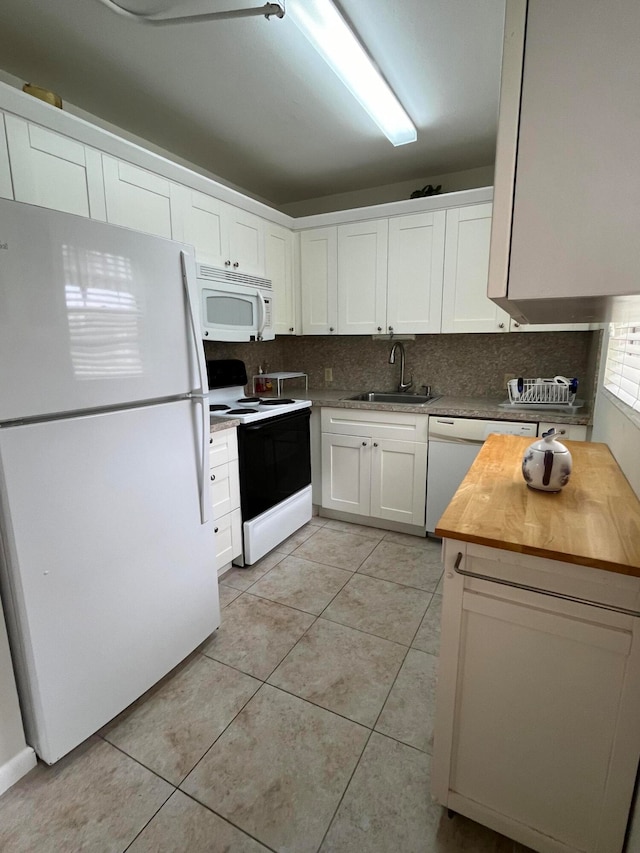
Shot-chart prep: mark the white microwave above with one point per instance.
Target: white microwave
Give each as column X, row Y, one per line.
column 234, row 306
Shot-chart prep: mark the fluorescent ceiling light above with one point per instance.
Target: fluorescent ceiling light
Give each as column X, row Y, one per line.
column 326, row 29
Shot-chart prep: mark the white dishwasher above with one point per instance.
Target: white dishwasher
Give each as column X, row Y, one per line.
column 453, row 445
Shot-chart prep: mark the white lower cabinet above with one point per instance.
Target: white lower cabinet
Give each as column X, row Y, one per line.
column 225, row 496
column 538, row 700
column 374, row 464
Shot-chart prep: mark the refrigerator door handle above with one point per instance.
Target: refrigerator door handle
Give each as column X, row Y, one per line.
column 199, row 397
column 202, row 369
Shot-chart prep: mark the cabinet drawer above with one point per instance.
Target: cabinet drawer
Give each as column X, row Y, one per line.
column 223, row 447
column 225, row 488
column 228, row 538
column 398, row 426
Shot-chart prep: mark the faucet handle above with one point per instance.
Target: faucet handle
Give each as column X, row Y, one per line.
column 427, row 390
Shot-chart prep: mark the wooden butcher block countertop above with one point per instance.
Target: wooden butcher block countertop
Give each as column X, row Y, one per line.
column 593, row 521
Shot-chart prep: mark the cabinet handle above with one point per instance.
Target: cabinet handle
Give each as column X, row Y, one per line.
column 235, row 265
column 213, row 476
column 215, row 529
column 227, row 263
column 537, row 589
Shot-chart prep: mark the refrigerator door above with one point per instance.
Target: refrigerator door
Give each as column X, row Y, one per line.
column 108, row 575
column 91, row 315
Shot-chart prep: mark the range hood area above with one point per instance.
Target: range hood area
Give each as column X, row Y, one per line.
column 567, row 180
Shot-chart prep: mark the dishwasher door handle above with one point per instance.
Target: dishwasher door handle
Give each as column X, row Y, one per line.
column 540, row 591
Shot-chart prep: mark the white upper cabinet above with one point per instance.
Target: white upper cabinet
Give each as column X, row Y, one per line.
column 414, row 282
column 362, row 277
column 567, row 176
column 199, row 220
column 223, row 236
column 279, row 269
column 465, row 305
column 54, row 171
column 6, row 187
column 245, row 241
column 319, row 280
column 137, row 198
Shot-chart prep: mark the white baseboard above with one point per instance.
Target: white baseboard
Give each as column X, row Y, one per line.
column 16, row 768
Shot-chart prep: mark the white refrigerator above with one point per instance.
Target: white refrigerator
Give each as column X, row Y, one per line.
column 107, row 565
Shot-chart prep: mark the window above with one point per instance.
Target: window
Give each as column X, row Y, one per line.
column 622, row 369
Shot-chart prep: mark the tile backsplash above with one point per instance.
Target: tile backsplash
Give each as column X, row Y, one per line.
column 460, row 365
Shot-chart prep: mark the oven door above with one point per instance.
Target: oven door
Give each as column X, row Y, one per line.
column 275, row 461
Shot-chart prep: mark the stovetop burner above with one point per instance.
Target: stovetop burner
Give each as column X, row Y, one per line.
column 218, row 407
column 242, row 411
column 276, row 401
column 249, row 400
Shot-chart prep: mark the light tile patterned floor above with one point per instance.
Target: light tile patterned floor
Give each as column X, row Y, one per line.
column 304, row 724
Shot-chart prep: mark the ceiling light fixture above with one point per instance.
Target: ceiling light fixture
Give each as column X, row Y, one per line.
column 161, row 19
column 329, row 33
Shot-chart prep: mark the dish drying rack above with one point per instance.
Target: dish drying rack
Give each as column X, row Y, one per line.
column 558, row 392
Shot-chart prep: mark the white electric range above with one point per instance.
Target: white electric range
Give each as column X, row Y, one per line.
column 274, row 458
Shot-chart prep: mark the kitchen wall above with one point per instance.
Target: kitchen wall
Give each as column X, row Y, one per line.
column 450, row 182
column 461, row 365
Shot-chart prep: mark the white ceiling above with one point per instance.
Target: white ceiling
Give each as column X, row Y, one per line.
column 251, row 101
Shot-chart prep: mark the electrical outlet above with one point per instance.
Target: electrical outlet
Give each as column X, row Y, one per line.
column 328, row 374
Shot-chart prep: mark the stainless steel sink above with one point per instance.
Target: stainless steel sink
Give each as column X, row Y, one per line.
column 394, row 397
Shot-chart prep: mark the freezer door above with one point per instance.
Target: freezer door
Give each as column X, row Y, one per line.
column 91, row 315
column 109, row 577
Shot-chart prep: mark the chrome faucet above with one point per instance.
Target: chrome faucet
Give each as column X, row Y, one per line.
column 402, row 385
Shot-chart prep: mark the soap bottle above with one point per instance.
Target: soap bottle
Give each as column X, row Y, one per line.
column 260, row 383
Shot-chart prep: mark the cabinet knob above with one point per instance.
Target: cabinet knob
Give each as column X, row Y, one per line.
column 391, row 328
column 215, row 529
column 379, row 328
column 516, row 325
column 501, row 325
column 235, row 265
column 227, row 263
column 291, row 329
column 213, row 476
column 331, row 328
column 206, row 334
column 375, row 443
column 364, row 443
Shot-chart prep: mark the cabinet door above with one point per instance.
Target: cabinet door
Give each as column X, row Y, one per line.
column 346, row 467
column 319, row 281
column 362, row 277
column 414, row 286
column 279, row 269
column 538, row 701
column 465, row 305
column 398, row 480
column 199, row 219
column 136, row 198
column 6, row 187
column 225, row 488
column 54, row 171
column 228, row 539
column 246, row 241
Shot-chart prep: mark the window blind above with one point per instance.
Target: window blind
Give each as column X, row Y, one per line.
column 622, row 369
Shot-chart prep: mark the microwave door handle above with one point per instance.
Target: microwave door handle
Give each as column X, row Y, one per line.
column 263, row 314
column 198, row 398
